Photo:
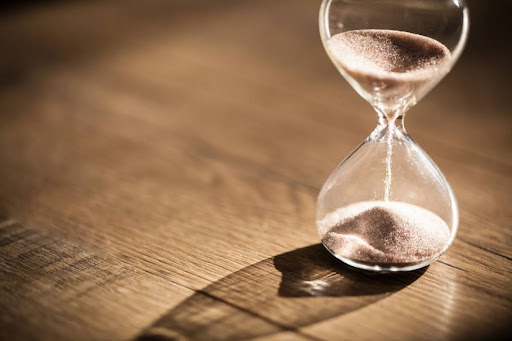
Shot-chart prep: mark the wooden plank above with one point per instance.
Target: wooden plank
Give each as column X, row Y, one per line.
column 308, row 280
column 51, row 288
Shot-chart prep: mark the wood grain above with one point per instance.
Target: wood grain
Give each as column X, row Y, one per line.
column 160, row 164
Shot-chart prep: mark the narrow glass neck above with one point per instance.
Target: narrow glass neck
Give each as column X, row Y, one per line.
column 384, row 122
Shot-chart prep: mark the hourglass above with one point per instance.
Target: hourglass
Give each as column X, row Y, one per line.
column 387, row 206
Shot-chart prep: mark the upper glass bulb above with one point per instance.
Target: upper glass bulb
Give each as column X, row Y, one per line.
column 393, row 51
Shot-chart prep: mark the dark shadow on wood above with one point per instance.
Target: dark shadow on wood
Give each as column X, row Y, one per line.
column 313, row 272
column 282, row 293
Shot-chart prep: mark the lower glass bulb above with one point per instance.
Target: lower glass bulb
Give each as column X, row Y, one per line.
column 387, row 206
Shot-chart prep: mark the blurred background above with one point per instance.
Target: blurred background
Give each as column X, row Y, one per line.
column 226, row 63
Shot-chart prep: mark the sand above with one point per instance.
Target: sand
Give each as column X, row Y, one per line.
column 385, row 233
column 392, row 66
column 388, row 55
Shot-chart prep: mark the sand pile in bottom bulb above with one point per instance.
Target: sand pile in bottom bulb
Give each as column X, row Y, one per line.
column 385, row 233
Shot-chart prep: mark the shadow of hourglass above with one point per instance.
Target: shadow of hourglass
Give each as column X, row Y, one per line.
column 281, row 293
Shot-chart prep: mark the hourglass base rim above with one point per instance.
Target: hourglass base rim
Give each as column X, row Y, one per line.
column 383, row 267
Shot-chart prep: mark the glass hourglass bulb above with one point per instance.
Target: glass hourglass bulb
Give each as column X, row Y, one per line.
column 387, row 206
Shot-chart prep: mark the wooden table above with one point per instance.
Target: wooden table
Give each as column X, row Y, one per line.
column 160, row 162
